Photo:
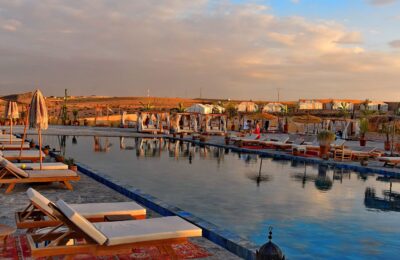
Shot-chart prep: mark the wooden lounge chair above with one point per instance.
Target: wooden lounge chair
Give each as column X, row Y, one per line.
column 14, row 146
column 38, row 214
column 366, row 152
column 390, row 161
column 45, row 166
column 252, row 139
column 341, row 154
column 12, row 175
column 274, row 143
column 27, row 155
column 106, row 238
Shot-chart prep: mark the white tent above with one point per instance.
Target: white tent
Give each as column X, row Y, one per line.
column 273, row 107
column 247, row 106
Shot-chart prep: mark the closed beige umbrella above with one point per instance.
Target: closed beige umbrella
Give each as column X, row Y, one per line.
column 23, row 99
column 38, row 117
column 11, row 113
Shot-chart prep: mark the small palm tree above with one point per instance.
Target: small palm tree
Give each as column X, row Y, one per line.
column 146, row 106
column 344, row 109
column 180, row 108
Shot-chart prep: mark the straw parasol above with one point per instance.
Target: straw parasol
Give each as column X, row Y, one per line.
column 261, row 116
column 38, row 117
column 11, row 113
column 24, row 99
column 306, row 119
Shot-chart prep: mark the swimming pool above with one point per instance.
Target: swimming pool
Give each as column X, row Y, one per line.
column 316, row 211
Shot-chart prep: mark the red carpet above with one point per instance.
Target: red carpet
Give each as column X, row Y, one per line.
column 17, row 248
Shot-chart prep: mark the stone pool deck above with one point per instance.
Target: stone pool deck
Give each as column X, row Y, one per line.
column 86, row 190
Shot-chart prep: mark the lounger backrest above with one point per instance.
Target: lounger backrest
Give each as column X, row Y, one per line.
column 40, row 200
column 11, row 167
column 82, row 223
column 284, row 139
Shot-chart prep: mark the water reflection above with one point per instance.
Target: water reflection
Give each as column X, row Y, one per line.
column 259, row 177
column 390, row 200
column 149, row 147
column 101, row 144
column 323, row 182
column 74, row 140
column 123, row 143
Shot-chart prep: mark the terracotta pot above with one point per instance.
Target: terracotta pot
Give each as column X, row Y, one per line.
column 324, row 151
column 73, row 168
column 387, row 146
column 363, row 141
column 286, row 128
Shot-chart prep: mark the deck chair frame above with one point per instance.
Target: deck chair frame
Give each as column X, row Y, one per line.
column 33, row 217
column 56, row 242
column 16, row 179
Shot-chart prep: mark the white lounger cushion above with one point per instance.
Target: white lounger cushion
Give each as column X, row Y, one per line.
column 25, row 154
column 390, row 159
column 81, row 222
column 40, row 200
column 89, row 209
column 124, row 232
column 50, row 173
column 13, row 146
column 45, row 166
column 10, row 166
column 114, row 208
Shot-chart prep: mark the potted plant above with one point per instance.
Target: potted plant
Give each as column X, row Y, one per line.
column 325, row 138
column 59, row 158
column 75, row 114
column 71, row 164
column 363, row 130
column 32, row 144
column 46, row 150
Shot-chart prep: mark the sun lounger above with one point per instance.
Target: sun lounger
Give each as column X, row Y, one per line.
column 106, row 238
column 359, row 153
column 38, row 214
column 247, row 140
column 12, row 175
column 273, row 144
column 14, row 146
column 45, row 166
column 342, row 154
column 390, row 161
column 27, row 155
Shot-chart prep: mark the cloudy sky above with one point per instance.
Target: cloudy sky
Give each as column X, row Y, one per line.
column 225, row 49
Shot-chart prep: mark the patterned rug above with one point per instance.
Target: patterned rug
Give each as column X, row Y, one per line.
column 17, row 248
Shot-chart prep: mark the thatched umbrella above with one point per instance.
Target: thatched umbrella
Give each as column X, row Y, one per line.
column 24, row 99
column 306, row 119
column 38, row 117
column 11, row 113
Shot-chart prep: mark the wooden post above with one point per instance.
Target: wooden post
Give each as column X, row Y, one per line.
column 24, row 135
column 40, row 147
column 11, row 123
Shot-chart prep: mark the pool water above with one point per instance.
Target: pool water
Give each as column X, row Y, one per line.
column 316, row 211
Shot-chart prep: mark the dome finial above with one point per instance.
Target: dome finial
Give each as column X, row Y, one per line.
column 270, row 233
